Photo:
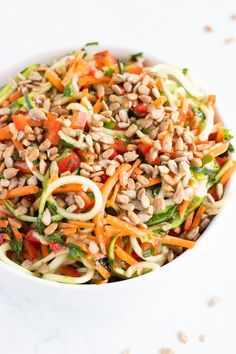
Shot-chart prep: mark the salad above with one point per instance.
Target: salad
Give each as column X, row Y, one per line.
column 109, row 168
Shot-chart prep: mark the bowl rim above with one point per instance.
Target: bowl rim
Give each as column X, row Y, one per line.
column 124, row 51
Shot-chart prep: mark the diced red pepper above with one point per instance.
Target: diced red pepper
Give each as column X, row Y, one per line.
column 89, row 202
column 69, row 163
column 141, row 108
column 22, row 166
column 30, row 236
column 79, row 120
column 20, row 121
column 120, row 146
column 30, row 251
column 52, row 127
column 69, row 271
column 104, row 58
column 145, row 151
column 56, row 247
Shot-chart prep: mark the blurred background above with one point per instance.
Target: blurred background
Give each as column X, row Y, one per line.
column 200, row 35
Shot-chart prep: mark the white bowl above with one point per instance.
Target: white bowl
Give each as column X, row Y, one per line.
column 126, row 292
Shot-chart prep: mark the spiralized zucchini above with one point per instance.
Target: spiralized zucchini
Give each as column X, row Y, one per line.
column 78, row 180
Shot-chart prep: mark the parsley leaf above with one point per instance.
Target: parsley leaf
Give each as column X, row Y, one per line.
column 197, row 112
column 134, row 57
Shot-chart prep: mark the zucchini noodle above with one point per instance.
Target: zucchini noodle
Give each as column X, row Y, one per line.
column 159, row 259
column 33, row 169
column 140, row 267
column 70, row 280
column 78, row 180
column 3, row 256
column 180, row 77
column 68, row 139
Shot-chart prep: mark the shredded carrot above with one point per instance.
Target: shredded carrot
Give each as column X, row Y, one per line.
column 71, row 187
column 36, row 204
column 159, row 84
column 90, row 80
column 6, row 237
column 44, row 250
column 84, row 93
column 18, row 145
column 69, row 231
column 21, row 191
column 188, row 222
column 124, row 256
column 138, row 233
column 146, row 140
column 134, row 69
column 211, row 100
column 54, row 79
column 4, row 223
column 220, row 135
column 103, row 271
column 114, row 195
column 72, row 68
column 111, row 231
column 159, row 101
column 106, row 190
column 153, row 181
column 77, row 242
column 226, row 176
column 5, row 104
column 182, row 208
column 218, row 149
column 197, row 218
column 14, row 96
column 82, row 224
column 134, row 167
column 18, row 235
column 98, row 106
column 5, row 133
column 104, row 281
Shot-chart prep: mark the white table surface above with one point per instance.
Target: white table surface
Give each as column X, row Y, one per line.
column 173, row 30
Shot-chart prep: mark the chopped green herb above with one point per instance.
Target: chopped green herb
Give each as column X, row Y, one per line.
column 40, row 226
column 52, row 208
column 147, row 253
column 119, row 66
column 28, row 101
column 231, row 148
column 197, row 112
column 132, row 113
column 67, row 91
column 16, row 246
column 227, row 134
column 91, row 43
column 205, row 171
column 110, row 125
column 109, row 72
column 75, row 251
column 55, row 238
column 166, row 215
column 146, row 131
column 36, row 162
column 63, row 144
column 185, row 71
column 134, row 57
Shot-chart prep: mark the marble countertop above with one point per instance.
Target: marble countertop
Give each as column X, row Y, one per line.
column 173, row 30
